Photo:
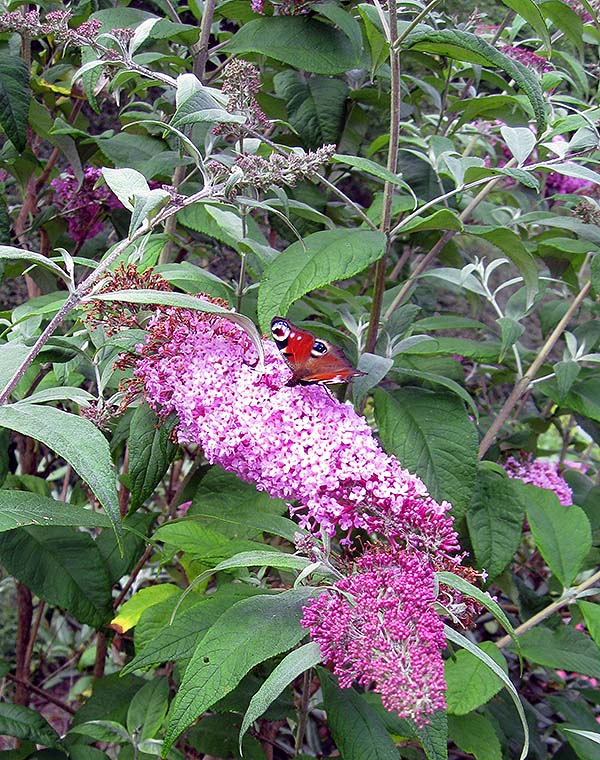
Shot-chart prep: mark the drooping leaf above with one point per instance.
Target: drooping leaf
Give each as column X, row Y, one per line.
column 591, row 614
column 248, row 633
column 14, row 99
column 301, row 42
column 151, row 452
column 562, row 534
column 470, row 683
column 148, row 708
column 495, row 521
column 62, row 566
column 430, row 433
column 293, row 665
column 75, row 439
column 465, row 46
column 19, row 508
column 320, row 259
column 357, row 730
column 131, row 611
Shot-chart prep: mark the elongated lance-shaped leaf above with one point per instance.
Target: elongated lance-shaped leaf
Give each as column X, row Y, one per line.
column 462, row 641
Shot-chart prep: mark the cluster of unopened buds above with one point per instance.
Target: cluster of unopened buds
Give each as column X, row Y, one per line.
column 54, row 23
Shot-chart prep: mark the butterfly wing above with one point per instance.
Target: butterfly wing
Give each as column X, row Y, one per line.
column 312, row 360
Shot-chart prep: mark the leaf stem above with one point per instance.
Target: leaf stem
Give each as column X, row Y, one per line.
column 388, row 188
column 522, row 385
column 303, row 712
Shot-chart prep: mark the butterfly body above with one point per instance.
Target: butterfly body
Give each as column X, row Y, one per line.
column 311, row 359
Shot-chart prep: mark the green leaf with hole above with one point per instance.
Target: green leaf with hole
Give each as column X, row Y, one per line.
column 320, row 259
column 250, row 632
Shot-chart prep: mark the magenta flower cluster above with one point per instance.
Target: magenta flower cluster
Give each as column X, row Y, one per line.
column 538, row 472
column 83, row 205
column 377, row 626
column 389, row 636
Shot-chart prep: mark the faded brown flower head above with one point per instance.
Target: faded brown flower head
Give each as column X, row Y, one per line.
column 281, row 169
column 241, row 82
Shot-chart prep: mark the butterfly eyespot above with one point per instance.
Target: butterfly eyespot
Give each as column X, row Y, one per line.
column 280, row 329
column 318, row 348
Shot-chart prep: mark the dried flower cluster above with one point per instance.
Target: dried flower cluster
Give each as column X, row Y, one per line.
column 241, row 83
column 538, row 472
column 378, row 626
column 282, row 169
column 83, row 205
column 55, row 23
column 284, row 7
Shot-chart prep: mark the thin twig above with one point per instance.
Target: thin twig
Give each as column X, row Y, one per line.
column 388, row 188
column 303, row 712
column 133, row 575
column 42, row 693
column 34, row 632
column 523, row 384
column 567, row 598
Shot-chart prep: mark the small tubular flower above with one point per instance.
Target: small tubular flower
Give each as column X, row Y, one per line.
column 537, row 472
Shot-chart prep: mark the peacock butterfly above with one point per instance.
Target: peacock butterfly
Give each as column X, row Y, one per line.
column 311, row 359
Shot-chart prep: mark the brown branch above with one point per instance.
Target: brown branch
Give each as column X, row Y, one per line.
column 24, row 617
column 134, row 573
column 41, row 693
column 522, row 385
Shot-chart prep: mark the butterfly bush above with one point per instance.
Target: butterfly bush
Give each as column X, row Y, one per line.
column 537, row 472
column 378, row 625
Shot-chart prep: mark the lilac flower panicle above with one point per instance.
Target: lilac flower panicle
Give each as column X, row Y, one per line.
column 293, row 442
column 378, row 627
column 537, row 472
column 83, row 205
column 527, row 57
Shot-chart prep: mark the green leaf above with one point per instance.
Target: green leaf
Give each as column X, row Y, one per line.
column 591, row 735
column 103, row 731
column 292, row 665
column 369, row 167
column 14, row 99
column 185, row 301
column 222, row 223
column 562, row 534
column 444, row 219
column 24, row 723
column 301, row 42
column 320, row 259
column 110, row 699
column 495, row 521
column 344, row 20
column 486, row 601
column 179, row 639
column 565, row 374
column 433, row 736
column 511, row 332
column 475, row 734
column 566, row 19
column 18, row 254
column 529, row 10
column 520, row 141
column 12, row 355
column 19, row 508
column 62, row 566
column 203, row 542
column 431, row 434
column 462, row 641
column 595, row 272
column 194, row 279
column 148, row 709
column 470, row 683
column 77, row 441
column 445, row 382
column 131, row 611
column 151, row 452
column 591, row 615
column 126, row 184
column 464, row 46
column 564, row 648
column 246, row 634
column 357, row 729
column 512, row 246
column 316, row 106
